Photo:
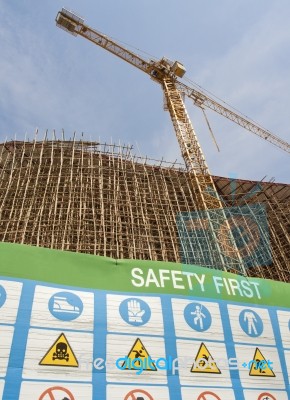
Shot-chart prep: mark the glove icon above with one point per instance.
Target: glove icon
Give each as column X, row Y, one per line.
column 135, row 313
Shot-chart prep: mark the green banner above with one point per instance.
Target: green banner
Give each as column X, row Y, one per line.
column 88, row 271
column 77, row 326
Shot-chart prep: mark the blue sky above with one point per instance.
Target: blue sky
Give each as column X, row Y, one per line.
column 237, row 49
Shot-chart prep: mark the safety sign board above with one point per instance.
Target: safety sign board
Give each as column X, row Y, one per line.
column 65, row 306
column 206, row 393
column 43, row 390
column 266, row 396
column 269, row 394
column 197, row 316
column 284, row 323
column 208, row 396
column 140, row 330
column 60, row 354
column 128, row 314
column 260, row 366
column 148, row 392
column 204, row 362
column 2, row 295
column 62, row 309
column 189, row 323
column 135, row 311
column 57, row 393
column 139, row 356
column 138, row 394
column 122, row 361
column 251, row 323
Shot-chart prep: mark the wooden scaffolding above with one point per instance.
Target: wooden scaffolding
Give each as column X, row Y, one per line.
column 101, row 199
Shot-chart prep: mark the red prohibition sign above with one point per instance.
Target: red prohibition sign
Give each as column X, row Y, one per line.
column 205, row 396
column 132, row 395
column 49, row 394
column 266, row 396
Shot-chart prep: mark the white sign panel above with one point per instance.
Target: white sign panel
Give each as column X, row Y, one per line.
column 134, row 314
column 63, row 309
column 55, row 391
column 197, row 319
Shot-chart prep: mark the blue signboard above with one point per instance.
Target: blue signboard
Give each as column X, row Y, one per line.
column 64, row 342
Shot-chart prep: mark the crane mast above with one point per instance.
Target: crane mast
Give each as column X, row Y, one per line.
column 223, row 248
column 224, row 251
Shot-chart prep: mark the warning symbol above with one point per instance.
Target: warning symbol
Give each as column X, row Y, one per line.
column 138, row 394
column 260, row 366
column 60, row 354
column 208, row 396
column 266, row 396
column 57, row 393
column 204, row 362
column 139, row 357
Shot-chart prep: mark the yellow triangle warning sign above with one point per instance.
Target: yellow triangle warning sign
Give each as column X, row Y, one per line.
column 204, row 363
column 139, row 358
column 260, row 366
column 60, row 354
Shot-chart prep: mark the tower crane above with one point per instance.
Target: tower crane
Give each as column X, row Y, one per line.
column 224, row 252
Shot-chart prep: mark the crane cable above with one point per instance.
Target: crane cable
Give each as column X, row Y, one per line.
column 210, row 130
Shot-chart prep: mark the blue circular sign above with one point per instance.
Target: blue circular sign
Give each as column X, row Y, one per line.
column 65, row 306
column 2, row 295
column 135, row 311
column 197, row 317
column 251, row 323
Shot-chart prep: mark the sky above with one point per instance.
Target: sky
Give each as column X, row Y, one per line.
column 239, row 50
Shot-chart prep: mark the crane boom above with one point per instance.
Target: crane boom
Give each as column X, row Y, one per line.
column 158, row 69
column 75, row 26
column 202, row 100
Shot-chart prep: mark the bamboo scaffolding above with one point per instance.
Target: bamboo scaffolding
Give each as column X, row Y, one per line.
column 100, row 199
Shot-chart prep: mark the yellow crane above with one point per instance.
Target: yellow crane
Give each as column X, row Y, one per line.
column 225, row 253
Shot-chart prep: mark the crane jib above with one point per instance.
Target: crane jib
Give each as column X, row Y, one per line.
column 158, row 70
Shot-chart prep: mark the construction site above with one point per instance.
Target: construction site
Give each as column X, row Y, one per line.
column 126, row 276
column 104, row 200
column 101, row 199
